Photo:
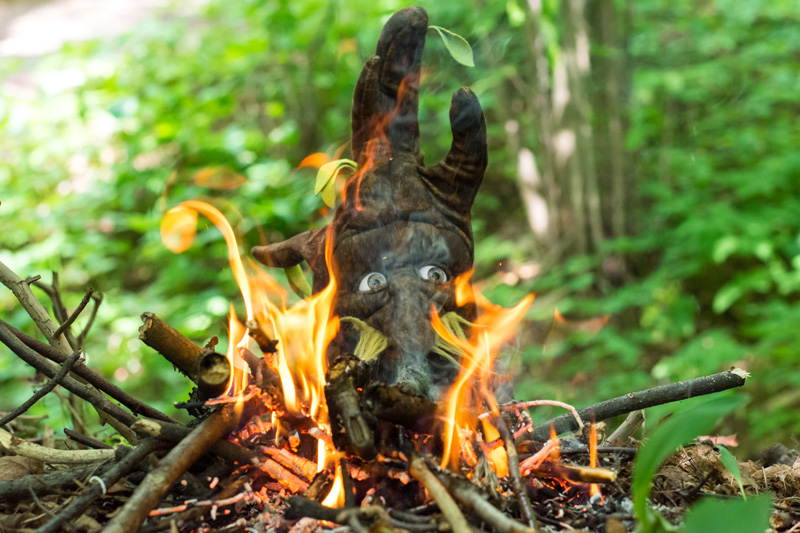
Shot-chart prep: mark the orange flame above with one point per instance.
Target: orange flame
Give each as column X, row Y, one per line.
column 303, row 331
column 335, row 497
column 493, row 326
column 594, row 488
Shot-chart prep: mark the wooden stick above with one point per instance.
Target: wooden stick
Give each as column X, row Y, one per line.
column 158, row 481
column 86, row 441
column 49, row 386
column 37, row 312
column 67, row 480
column 68, row 322
column 473, row 499
column 47, row 368
column 178, row 432
column 514, row 473
column 438, row 492
column 91, row 377
column 632, row 422
column 632, row 401
column 167, row 341
column 50, row 455
column 98, row 299
column 96, row 489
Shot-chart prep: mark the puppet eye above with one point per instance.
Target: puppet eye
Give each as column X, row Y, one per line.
column 433, row 273
column 372, row 281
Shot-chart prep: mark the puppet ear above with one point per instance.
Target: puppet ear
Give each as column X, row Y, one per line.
column 386, row 98
column 308, row 246
column 460, row 174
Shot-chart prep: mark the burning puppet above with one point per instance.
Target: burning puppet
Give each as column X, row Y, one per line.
column 402, row 235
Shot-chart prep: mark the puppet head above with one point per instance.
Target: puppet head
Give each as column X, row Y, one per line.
column 402, row 234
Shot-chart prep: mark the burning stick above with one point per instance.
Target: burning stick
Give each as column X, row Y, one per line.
column 643, row 399
column 577, row 474
column 158, row 481
column 349, row 428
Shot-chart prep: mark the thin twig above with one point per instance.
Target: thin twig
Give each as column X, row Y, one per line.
column 50, row 455
column 632, row 401
column 473, row 499
column 98, row 299
column 93, row 378
column 34, row 308
column 513, row 471
column 50, row 385
column 86, row 441
column 44, row 366
column 100, row 485
column 446, row 504
column 78, row 310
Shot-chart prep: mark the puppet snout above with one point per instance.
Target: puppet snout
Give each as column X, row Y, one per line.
column 411, row 333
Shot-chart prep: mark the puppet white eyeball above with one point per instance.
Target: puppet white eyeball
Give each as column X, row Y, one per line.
column 433, row 273
column 372, row 281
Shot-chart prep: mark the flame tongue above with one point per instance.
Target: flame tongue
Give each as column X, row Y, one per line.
column 303, row 330
column 493, row 327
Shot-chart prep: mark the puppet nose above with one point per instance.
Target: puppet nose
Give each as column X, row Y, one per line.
column 413, row 337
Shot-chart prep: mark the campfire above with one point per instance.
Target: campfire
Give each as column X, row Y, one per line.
column 374, row 402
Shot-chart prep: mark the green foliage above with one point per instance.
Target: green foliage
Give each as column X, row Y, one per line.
column 678, row 429
column 743, row 516
column 458, row 47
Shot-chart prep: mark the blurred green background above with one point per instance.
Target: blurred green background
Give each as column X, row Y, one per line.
column 644, row 180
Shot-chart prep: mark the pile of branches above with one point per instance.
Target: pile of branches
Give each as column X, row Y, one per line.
column 246, row 463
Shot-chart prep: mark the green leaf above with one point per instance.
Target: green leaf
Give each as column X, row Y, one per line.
column 710, row 515
column 726, row 297
column 326, row 179
column 458, row 47
column 677, row 430
column 298, row 281
column 730, row 462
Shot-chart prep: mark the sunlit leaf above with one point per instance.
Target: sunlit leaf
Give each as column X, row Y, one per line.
column 677, row 430
column 298, row 281
column 458, row 47
column 326, row 179
column 730, row 462
column 178, row 228
column 219, row 177
column 741, row 516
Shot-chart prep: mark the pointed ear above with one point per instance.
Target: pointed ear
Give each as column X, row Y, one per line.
column 460, row 174
column 308, row 246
